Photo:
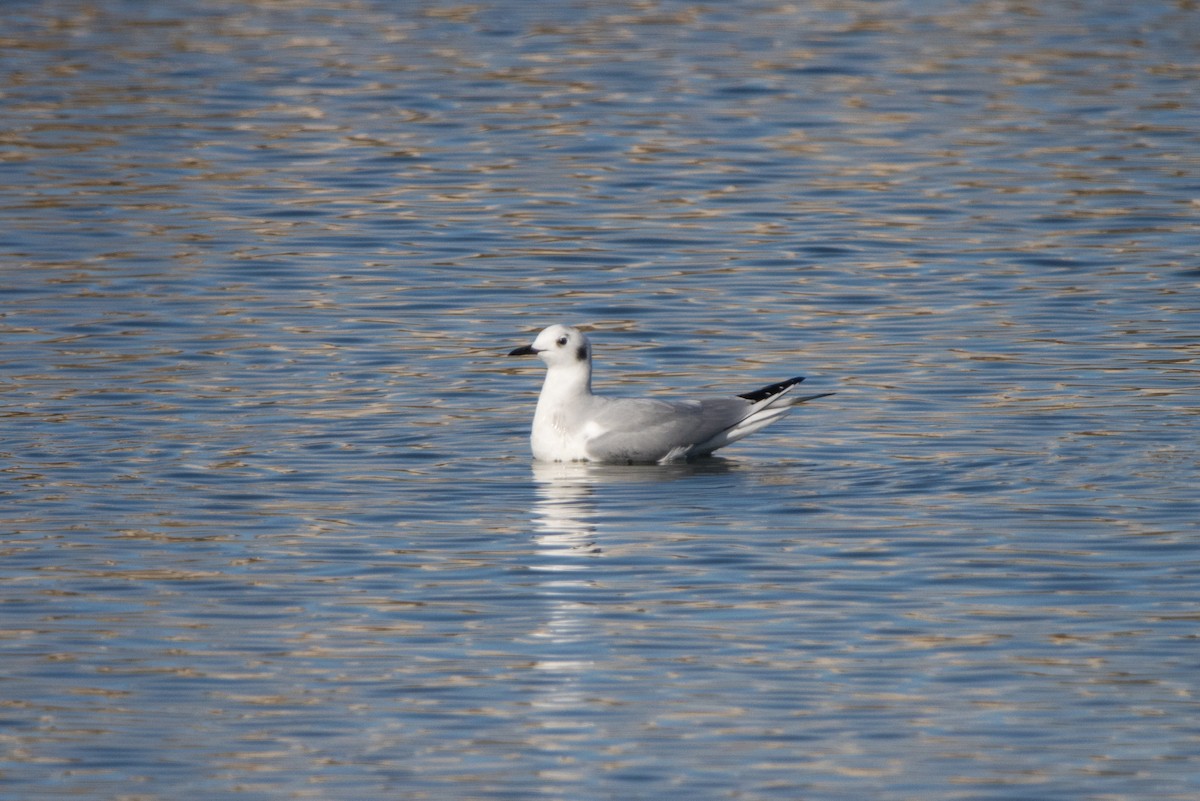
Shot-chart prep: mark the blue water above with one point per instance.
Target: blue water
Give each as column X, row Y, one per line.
column 269, row 527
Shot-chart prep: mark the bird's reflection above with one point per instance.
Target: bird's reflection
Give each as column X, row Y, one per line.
column 564, row 512
column 580, row 584
column 570, row 551
column 562, row 515
column 566, row 550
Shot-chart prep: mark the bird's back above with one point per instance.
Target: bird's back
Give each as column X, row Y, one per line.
column 651, row 430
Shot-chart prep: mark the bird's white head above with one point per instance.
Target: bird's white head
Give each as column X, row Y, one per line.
column 559, row 346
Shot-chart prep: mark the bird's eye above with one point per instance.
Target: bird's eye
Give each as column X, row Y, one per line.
column 562, row 341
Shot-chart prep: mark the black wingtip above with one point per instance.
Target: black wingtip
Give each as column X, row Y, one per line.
column 807, row 398
column 771, row 390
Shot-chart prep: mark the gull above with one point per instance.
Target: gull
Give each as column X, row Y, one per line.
column 572, row 424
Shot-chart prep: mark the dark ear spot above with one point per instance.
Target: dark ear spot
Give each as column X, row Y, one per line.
column 581, row 354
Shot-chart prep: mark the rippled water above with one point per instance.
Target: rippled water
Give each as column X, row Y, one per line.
column 270, row 525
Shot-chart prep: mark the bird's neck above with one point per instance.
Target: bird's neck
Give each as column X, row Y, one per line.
column 566, row 382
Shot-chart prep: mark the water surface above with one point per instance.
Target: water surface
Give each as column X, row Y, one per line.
column 270, row 525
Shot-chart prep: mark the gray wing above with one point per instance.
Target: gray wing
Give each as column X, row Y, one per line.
column 647, row 430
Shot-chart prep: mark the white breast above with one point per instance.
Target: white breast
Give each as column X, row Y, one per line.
column 550, row 441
